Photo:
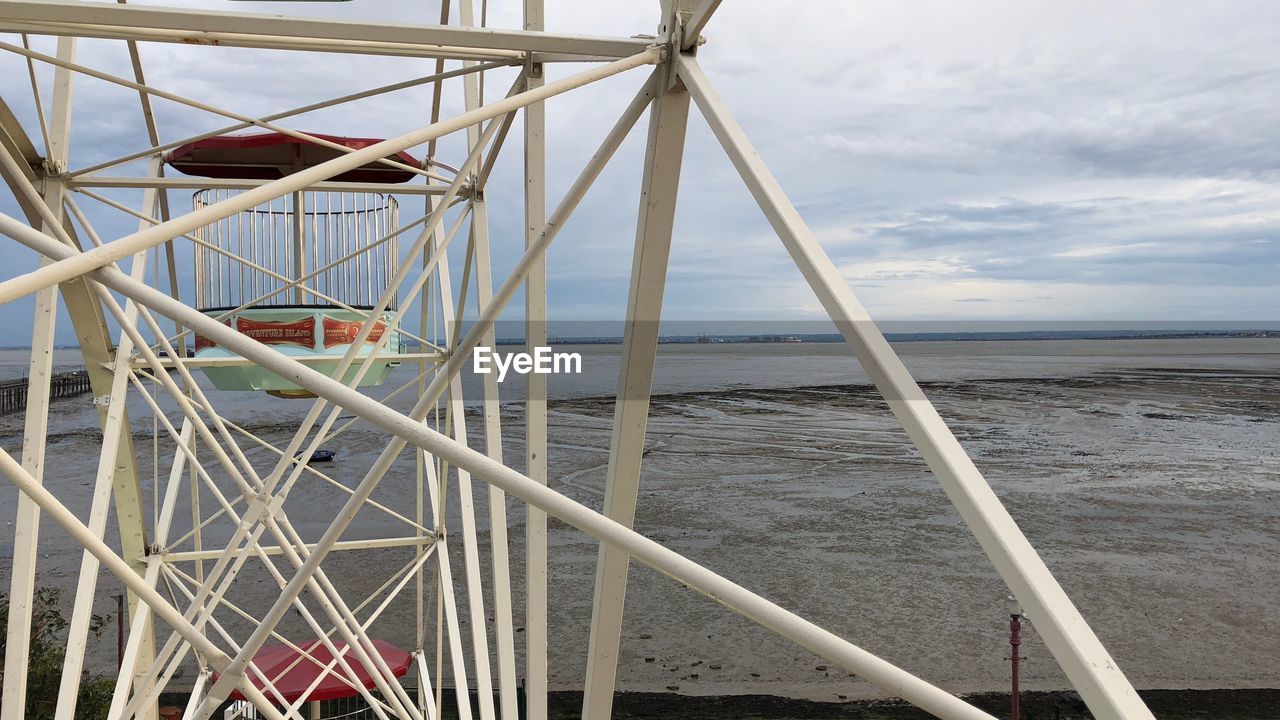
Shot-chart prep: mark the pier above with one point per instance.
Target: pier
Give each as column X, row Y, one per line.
column 13, row 393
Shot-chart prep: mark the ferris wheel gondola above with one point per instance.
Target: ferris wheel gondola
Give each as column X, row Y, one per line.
column 300, row 273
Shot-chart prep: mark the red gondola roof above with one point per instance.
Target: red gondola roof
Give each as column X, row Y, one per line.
column 271, row 156
column 273, row 659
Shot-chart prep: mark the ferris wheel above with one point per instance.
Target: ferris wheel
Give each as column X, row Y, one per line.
column 309, row 277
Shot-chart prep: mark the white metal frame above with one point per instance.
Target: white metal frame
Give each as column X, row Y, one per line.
column 214, row 454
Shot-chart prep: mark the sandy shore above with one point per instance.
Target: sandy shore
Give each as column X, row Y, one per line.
column 1151, row 494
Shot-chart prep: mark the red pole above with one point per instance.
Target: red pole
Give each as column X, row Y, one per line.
column 1015, row 640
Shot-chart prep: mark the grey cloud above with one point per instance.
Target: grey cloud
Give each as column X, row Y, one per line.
column 986, row 142
column 1110, row 240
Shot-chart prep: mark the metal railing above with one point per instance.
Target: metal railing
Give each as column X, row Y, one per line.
column 352, row 708
column 331, row 236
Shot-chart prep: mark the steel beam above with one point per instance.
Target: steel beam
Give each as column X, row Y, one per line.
column 104, row 484
column 545, row 237
column 113, row 562
column 130, row 244
column 448, row 604
column 535, row 421
column 504, row 632
column 195, row 183
column 97, row 346
column 26, row 529
column 268, row 42
column 410, row 430
column 145, row 92
column 503, row 623
column 219, row 689
column 192, row 362
column 668, row 120
column 695, row 21
column 1078, row 651
column 300, row 110
column 286, row 31
column 26, row 534
column 456, row 410
column 380, row 543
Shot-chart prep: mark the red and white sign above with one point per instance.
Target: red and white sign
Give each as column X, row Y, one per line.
column 204, row 343
column 285, row 332
column 344, row 332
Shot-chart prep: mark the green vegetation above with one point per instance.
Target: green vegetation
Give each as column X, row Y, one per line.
column 44, row 663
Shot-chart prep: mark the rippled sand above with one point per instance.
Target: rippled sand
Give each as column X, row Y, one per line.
column 1151, row 493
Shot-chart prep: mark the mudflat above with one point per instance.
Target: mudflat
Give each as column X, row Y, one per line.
column 1151, row 492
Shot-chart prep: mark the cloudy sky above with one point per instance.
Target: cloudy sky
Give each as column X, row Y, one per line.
column 977, row 160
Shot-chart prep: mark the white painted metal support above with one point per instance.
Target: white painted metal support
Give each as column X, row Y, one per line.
column 508, row 287
column 124, row 20
column 697, row 20
column 503, row 624
column 502, row 612
column 26, row 537
column 147, row 91
column 146, row 699
column 117, row 566
column 140, row 630
column 86, row 320
column 265, row 472
column 472, row 577
column 197, row 692
column 331, row 602
column 478, row 619
column 86, row 587
column 257, row 508
column 424, row 685
column 1087, row 664
column 300, row 110
column 270, row 550
column 535, row 406
column 36, row 97
column 27, row 524
column 257, row 512
column 668, row 119
column 448, row 603
column 461, row 353
column 408, row 430
column 119, row 249
column 194, row 183
column 270, row 42
column 254, row 506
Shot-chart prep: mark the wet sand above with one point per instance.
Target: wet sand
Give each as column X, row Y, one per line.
column 1151, row 493
column 1164, row 704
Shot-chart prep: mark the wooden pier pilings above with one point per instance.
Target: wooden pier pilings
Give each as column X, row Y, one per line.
column 13, row 393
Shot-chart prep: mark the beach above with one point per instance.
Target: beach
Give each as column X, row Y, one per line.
column 1145, row 472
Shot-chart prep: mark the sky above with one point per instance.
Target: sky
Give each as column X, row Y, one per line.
column 1029, row 161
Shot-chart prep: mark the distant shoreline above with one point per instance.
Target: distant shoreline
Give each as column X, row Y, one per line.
column 900, row 337
column 974, row 336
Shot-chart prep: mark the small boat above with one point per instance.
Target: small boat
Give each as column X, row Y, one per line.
column 319, row 456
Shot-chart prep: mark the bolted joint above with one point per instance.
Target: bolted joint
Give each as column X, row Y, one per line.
column 51, row 168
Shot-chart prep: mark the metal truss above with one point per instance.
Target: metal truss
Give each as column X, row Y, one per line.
column 183, row 561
